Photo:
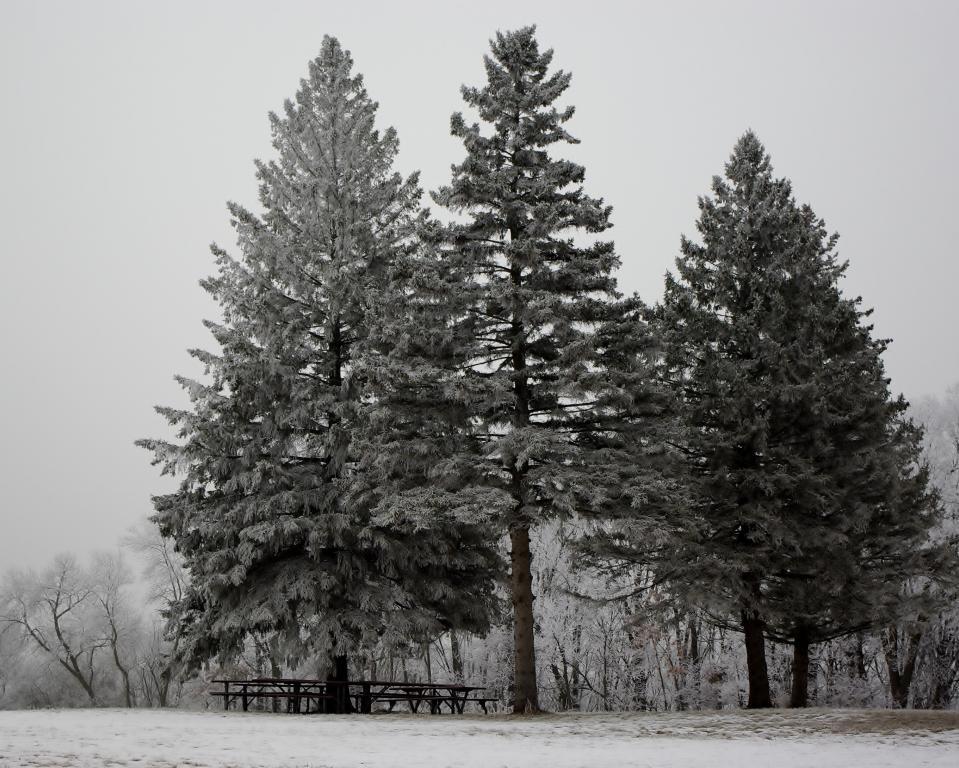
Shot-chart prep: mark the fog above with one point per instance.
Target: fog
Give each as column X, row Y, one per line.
column 127, row 126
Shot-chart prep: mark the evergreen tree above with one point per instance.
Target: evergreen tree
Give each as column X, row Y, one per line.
column 794, row 446
column 871, row 556
column 502, row 373
column 275, row 538
column 875, row 555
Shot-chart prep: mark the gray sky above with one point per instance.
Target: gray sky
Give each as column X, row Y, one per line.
column 126, row 126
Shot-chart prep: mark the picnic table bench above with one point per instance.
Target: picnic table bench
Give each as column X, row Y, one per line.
column 305, row 696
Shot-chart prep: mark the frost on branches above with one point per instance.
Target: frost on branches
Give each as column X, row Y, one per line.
column 277, row 543
column 515, row 327
column 395, row 403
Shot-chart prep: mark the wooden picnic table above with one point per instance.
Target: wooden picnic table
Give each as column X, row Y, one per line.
column 299, row 695
column 453, row 695
column 304, row 695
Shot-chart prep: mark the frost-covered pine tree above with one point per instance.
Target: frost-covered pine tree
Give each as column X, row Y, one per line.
column 503, row 342
column 806, row 510
column 275, row 538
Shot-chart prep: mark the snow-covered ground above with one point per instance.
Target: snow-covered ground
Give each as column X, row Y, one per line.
column 781, row 739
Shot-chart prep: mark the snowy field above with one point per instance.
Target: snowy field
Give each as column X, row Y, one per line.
column 818, row 738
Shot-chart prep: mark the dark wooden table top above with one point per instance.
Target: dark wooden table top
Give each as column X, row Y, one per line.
column 379, row 683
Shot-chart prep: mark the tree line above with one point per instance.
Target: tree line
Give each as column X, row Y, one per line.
column 400, row 406
column 93, row 633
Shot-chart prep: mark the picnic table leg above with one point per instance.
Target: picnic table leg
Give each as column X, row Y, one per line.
column 296, row 698
column 366, row 702
column 246, row 703
column 341, row 697
column 226, row 695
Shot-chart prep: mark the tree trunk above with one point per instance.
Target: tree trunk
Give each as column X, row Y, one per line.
column 901, row 663
column 694, row 640
column 759, row 697
column 694, row 665
column 275, row 672
column 525, row 697
column 562, row 687
column 146, row 688
column 163, row 685
column 860, row 657
column 128, row 697
column 340, row 703
column 799, row 695
column 167, row 674
column 456, row 657
column 428, row 660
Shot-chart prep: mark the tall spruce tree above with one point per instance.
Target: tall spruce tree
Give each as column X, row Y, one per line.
column 803, row 506
column 275, row 537
column 504, row 340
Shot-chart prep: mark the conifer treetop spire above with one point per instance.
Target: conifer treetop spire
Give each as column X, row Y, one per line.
column 517, row 76
column 748, row 159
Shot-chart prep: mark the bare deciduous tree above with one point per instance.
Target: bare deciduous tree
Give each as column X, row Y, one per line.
column 55, row 611
column 163, row 566
column 111, row 578
column 166, row 579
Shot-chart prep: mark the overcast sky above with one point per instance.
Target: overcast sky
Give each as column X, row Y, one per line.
column 127, row 126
